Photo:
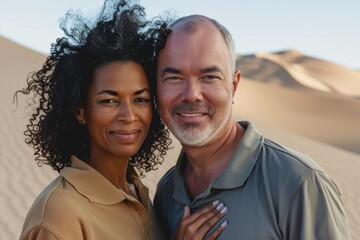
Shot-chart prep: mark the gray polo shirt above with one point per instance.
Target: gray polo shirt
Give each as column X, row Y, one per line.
column 272, row 193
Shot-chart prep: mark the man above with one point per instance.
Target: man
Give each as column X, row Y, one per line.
column 271, row 192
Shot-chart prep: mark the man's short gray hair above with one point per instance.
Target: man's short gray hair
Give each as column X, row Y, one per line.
column 192, row 25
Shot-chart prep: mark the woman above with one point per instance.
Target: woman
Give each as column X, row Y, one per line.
column 95, row 123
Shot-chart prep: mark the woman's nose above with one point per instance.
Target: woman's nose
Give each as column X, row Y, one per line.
column 126, row 112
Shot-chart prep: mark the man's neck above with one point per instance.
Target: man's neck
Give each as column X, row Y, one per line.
column 205, row 164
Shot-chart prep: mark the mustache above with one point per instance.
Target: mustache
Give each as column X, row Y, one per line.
column 190, row 107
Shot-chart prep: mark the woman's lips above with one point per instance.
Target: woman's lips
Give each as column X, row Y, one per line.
column 125, row 136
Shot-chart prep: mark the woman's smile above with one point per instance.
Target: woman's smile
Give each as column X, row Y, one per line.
column 125, row 136
column 118, row 112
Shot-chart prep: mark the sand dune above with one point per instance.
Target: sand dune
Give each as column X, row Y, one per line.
column 291, row 68
column 291, row 105
column 329, row 118
column 20, row 179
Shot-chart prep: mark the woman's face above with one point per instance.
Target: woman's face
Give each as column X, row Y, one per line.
column 118, row 111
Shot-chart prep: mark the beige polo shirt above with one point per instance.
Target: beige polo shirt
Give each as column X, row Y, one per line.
column 82, row 204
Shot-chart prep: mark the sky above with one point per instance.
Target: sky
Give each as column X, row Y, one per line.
column 329, row 30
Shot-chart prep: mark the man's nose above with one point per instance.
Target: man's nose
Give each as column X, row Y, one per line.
column 192, row 91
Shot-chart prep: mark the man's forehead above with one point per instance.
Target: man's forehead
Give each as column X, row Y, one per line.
column 190, row 24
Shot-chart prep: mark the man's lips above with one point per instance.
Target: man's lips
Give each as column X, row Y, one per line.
column 190, row 117
column 191, row 114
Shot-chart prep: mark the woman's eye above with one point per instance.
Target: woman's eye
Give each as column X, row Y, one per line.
column 142, row 100
column 108, row 101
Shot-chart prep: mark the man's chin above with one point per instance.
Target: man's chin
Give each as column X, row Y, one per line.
column 193, row 139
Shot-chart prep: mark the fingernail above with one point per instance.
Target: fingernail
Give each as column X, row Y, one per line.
column 221, row 205
column 216, row 202
column 224, row 224
column 224, row 210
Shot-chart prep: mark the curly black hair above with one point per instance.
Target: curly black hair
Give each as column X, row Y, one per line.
column 119, row 33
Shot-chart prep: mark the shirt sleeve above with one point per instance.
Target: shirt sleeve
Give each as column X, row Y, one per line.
column 315, row 211
column 39, row 233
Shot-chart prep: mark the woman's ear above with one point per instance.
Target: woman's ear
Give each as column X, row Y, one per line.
column 80, row 115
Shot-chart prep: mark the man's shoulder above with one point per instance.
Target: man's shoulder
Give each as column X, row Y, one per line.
column 274, row 152
column 289, row 157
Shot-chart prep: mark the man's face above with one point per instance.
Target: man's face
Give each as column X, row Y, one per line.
column 196, row 85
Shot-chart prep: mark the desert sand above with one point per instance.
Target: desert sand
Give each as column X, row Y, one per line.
column 305, row 103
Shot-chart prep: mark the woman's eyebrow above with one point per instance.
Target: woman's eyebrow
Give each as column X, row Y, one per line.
column 114, row 93
column 110, row 92
column 141, row 91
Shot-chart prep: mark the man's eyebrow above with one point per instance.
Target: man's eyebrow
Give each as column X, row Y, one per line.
column 170, row 70
column 202, row 70
column 210, row 69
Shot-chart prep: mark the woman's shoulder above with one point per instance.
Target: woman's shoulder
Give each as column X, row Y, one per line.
column 58, row 192
column 46, row 197
column 53, row 207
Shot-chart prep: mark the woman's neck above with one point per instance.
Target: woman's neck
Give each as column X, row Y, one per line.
column 112, row 168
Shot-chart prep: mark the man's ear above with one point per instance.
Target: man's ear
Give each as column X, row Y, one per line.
column 80, row 115
column 235, row 82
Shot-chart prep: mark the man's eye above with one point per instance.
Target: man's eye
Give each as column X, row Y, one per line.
column 173, row 78
column 210, row 77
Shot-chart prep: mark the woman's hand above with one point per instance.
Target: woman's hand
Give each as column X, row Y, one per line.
column 195, row 226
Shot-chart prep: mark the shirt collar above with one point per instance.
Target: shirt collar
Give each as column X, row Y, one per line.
column 243, row 159
column 234, row 175
column 95, row 187
column 180, row 190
